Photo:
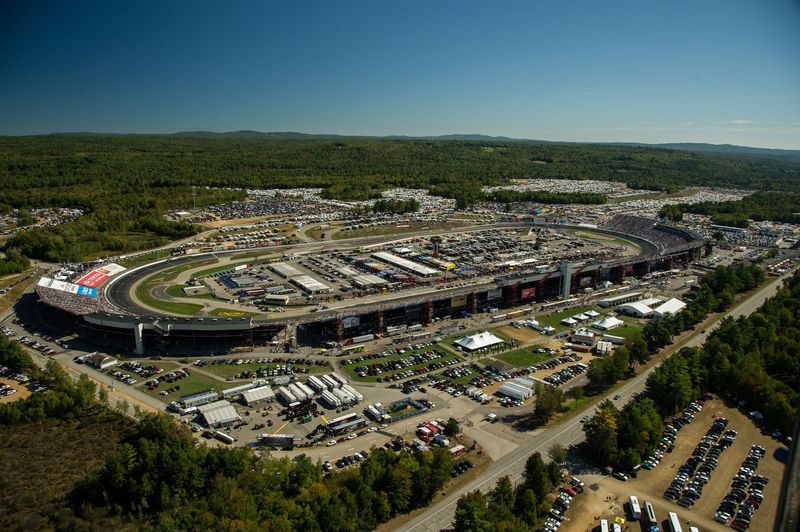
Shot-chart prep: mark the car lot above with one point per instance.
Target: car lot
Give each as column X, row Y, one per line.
column 650, row 485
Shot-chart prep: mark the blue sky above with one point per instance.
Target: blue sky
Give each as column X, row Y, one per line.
column 723, row 71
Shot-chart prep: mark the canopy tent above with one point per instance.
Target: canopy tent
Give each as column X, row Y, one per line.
column 479, row 341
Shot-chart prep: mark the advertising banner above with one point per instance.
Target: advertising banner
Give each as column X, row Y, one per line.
column 351, row 321
column 528, row 293
column 98, row 276
column 459, row 301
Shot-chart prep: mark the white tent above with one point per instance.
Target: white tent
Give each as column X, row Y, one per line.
column 592, row 313
column 479, row 341
column 569, row 322
column 671, row 306
column 581, row 317
column 608, row 323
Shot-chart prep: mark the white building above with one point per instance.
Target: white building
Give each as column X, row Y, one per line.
column 672, row 306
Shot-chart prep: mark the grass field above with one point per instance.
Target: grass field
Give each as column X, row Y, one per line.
column 194, row 383
column 176, row 290
column 172, row 307
column 554, row 320
column 521, row 358
column 227, row 371
column 144, row 259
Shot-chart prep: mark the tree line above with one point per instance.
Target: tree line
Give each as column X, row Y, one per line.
column 755, row 359
column 125, row 183
column 14, row 262
column 506, row 507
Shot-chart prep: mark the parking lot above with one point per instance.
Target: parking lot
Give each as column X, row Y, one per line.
column 650, row 485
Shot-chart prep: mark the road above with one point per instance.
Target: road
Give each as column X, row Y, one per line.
column 441, row 514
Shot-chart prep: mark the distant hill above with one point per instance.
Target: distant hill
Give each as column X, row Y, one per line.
column 696, row 147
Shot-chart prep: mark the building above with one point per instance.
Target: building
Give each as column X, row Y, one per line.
column 310, row 285
column 672, row 306
column 237, row 390
column 199, row 398
column 515, row 391
column 583, row 336
column 636, row 309
column 261, row 394
column 608, row 323
column 479, row 341
column 219, row 414
column 603, row 348
column 100, row 361
column 620, row 299
column 405, row 264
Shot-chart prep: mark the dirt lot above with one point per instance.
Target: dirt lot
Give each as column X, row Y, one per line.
column 526, row 335
column 610, row 494
column 22, row 391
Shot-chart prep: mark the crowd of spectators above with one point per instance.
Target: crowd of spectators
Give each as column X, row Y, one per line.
column 665, row 239
column 74, row 303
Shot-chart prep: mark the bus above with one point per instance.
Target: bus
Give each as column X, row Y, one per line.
column 603, row 525
column 636, row 511
column 650, row 513
column 674, row 522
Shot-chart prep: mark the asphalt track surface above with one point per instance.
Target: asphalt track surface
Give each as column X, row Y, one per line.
column 440, row 515
column 118, row 290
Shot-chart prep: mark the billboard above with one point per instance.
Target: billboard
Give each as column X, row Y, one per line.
column 68, row 287
column 351, row 321
column 495, row 293
column 528, row 293
column 459, row 301
column 98, row 276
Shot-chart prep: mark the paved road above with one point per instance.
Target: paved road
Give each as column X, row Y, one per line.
column 440, row 515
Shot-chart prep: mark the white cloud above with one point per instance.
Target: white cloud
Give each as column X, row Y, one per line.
column 740, row 122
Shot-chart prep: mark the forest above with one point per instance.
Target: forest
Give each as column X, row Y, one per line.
column 125, row 183
column 755, row 359
column 156, row 475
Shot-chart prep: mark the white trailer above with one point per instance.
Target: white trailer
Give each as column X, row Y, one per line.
column 343, row 397
column 514, row 391
column 349, row 389
column 297, row 392
column 286, row 395
column 316, row 384
column 331, row 399
column 308, row 391
column 330, row 382
column 342, row 381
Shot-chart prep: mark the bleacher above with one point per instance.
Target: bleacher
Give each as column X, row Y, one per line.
column 666, row 239
column 73, row 303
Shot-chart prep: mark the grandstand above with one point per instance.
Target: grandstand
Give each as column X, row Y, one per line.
column 666, row 238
